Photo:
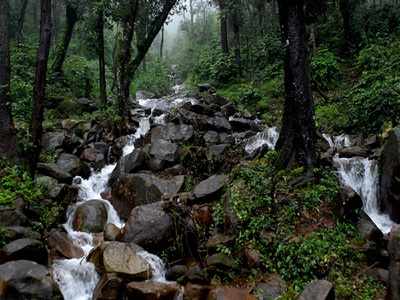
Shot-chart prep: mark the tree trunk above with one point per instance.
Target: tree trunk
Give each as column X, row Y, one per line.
column 224, row 27
column 21, row 20
column 162, row 43
column 39, row 88
column 123, row 62
column 100, row 53
column 62, row 48
column 297, row 139
column 7, row 130
column 236, row 38
column 346, row 8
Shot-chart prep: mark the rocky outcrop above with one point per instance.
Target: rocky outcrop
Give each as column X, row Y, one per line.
column 318, row 290
column 152, row 290
column 23, row 279
column 393, row 292
column 53, row 140
column 61, row 246
column 389, row 165
column 73, row 165
column 25, row 248
column 172, row 132
column 149, row 226
column 55, row 171
column 138, row 189
column 128, row 164
column 90, row 216
column 210, row 187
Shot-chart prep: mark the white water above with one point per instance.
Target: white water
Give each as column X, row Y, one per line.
column 362, row 175
column 77, row 278
column 267, row 137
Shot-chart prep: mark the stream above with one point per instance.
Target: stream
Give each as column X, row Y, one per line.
column 78, row 278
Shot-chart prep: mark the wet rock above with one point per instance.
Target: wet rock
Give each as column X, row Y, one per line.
column 23, row 279
column 240, row 124
column 368, row 230
column 61, row 245
column 149, row 226
column 90, row 216
column 73, row 165
column 211, row 137
column 172, row 132
column 205, row 87
column 128, row 164
column 152, row 290
column 270, row 289
column 55, row 171
column 196, row 292
column 200, row 108
column 217, row 151
column 110, row 287
column 196, row 275
column 9, row 216
column 53, row 140
column 111, row 232
column 355, row 151
column 164, row 150
column 210, row 187
column 351, row 203
column 176, row 272
column 230, row 293
column 221, row 261
column 120, row 258
column 318, row 290
column 389, row 165
column 49, row 184
column 228, row 109
column 20, row 232
column 25, row 248
column 138, row 189
column 219, row 124
column 393, row 291
column 95, row 154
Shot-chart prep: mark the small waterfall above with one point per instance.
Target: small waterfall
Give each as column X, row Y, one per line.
column 78, row 278
column 267, row 137
column 362, row 175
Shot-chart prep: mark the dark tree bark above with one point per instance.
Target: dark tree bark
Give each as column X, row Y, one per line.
column 7, row 130
column 223, row 27
column 236, row 37
column 297, row 139
column 39, row 89
column 346, row 10
column 62, row 48
column 21, row 20
column 100, row 54
column 128, row 71
column 162, row 44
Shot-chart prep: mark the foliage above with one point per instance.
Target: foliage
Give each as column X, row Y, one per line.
column 78, row 74
column 156, row 78
column 331, row 117
column 376, row 97
column 16, row 183
column 325, row 68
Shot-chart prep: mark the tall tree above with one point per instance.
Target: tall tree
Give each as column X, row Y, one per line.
column 21, row 20
column 347, row 8
column 7, row 130
column 71, row 13
column 297, row 139
column 39, row 89
column 100, row 53
column 158, row 13
column 223, row 26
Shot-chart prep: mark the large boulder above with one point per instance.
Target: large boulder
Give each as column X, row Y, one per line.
column 270, row 289
column 73, row 165
column 128, row 164
column 109, row 287
column 230, row 293
column 394, row 266
column 90, row 216
column 164, row 150
column 61, row 246
column 152, row 290
column 23, row 279
column 10, row 216
column 53, row 140
column 138, row 189
column 149, row 226
column 172, row 132
column 25, row 248
column 318, row 290
column 355, row 151
column 210, row 187
column 54, row 171
column 389, row 165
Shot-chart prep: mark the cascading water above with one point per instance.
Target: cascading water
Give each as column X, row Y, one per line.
column 362, row 175
column 77, row 278
column 267, row 137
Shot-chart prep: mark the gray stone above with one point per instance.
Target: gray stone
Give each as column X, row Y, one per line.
column 23, row 279
column 172, row 132
column 111, row 232
column 318, row 290
column 91, row 216
column 164, row 150
column 210, row 187
column 55, row 171
column 73, row 165
column 128, row 164
column 270, row 289
column 53, row 140
column 60, row 244
column 26, row 248
column 152, row 290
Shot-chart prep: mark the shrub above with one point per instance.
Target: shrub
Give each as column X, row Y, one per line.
column 325, row 68
column 78, row 75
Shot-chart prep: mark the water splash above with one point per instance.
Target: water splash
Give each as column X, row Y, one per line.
column 78, row 278
column 362, row 175
column 268, row 137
